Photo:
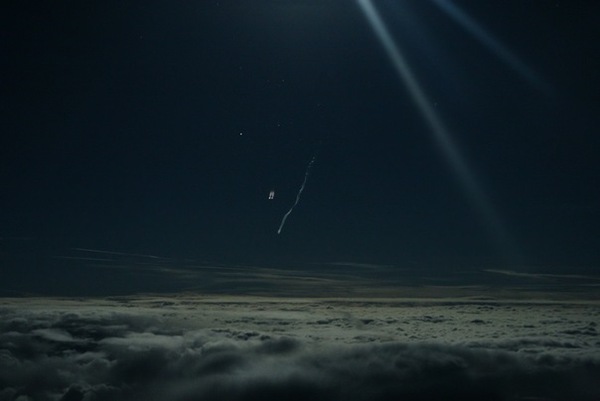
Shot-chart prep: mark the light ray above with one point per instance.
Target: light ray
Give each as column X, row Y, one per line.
column 493, row 44
column 441, row 135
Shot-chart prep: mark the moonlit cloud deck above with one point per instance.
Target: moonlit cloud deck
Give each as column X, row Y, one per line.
column 246, row 348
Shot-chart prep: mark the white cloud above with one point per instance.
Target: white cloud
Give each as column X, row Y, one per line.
column 212, row 348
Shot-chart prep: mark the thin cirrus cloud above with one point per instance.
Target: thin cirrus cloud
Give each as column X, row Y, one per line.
column 93, row 272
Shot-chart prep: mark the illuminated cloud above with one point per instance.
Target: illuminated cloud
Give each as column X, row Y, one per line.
column 238, row 349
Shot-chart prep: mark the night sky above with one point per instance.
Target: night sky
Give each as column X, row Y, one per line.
column 155, row 130
column 434, row 227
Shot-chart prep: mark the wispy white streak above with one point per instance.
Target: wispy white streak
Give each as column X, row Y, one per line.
column 299, row 193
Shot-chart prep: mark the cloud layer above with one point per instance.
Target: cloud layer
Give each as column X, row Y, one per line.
column 198, row 350
column 83, row 272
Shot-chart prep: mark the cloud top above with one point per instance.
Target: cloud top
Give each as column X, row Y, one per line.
column 114, row 352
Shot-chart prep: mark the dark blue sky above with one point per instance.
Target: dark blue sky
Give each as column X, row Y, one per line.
column 122, row 121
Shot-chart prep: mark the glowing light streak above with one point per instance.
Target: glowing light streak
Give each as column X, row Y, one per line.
column 499, row 49
column 441, row 135
column 306, row 174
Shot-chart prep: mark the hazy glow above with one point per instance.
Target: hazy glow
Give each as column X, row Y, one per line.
column 441, row 135
column 499, row 49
